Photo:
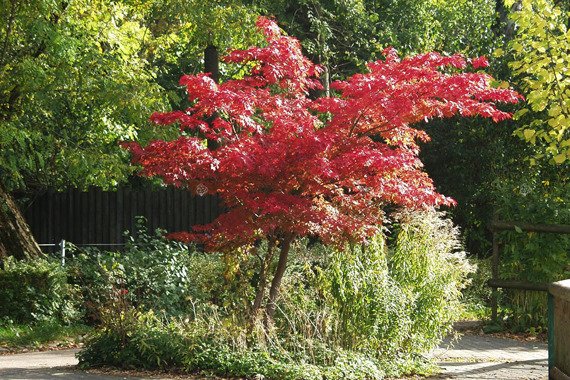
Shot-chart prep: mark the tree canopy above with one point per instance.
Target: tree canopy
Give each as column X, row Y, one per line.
column 79, row 77
column 541, row 52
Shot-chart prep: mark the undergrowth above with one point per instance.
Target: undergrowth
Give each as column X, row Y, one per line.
column 363, row 312
column 40, row 334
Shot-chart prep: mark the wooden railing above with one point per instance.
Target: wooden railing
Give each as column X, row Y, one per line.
column 496, row 281
column 558, row 298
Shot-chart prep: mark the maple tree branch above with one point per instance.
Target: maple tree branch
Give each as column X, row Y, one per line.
column 355, row 123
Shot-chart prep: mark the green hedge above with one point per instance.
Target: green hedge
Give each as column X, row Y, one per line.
column 35, row 290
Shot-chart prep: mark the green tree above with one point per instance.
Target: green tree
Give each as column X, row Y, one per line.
column 76, row 78
column 541, row 57
column 345, row 35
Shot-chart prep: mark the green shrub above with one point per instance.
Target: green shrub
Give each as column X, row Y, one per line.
column 208, row 346
column 135, row 340
column 359, row 313
column 477, row 294
column 36, row 290
column 39, row 334
column 429, row 265
column 537, row 197
column 392, row 300
column 156, row 274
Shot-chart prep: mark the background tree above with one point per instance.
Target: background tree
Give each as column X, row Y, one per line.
column 72, row 84
column 541, row 57
column 76, row 78
column 345, row 35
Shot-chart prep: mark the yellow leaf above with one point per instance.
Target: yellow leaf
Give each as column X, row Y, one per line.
column 529, row 133
column 554, row 111
column 498, row 53
column 560, row 158
column 520, row 113
column 553, row 122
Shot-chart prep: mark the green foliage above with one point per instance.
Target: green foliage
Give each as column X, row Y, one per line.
column 452, row 26
column 73, row 85
column 157, row 274
column 477, row 294
column 392, row 301
column 208, row 345
column 466, row 159
column 361, row 313
column 39, row 334
column 530, row 256
column 541, row 56
column 345, row 35
column 36, row 291
column 76, row 78
column 429, row 264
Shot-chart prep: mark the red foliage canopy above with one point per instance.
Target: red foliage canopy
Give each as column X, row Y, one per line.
column 291, row 166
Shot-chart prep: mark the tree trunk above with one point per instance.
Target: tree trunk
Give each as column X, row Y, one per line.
column 262, row 284
column 504, row 27
column 212, row 62
column 15, row 236
column 276, row 283
column 212, row 66
column 326, row 81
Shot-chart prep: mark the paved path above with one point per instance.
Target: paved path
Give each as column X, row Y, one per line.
column 472, row 357
column 45, row 365
column 485, row 357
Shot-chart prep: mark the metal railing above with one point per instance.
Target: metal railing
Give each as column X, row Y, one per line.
column 66, row 246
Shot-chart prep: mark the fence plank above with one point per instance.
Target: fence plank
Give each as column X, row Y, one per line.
column 97, row 217
column 98, row 235
column 177, row 211
column 184, row 214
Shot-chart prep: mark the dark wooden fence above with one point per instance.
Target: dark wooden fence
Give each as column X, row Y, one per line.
column 97, row 217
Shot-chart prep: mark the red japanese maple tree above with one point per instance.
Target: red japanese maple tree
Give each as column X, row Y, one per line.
column 288, row 166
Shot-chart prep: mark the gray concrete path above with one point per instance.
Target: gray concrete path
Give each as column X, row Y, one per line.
column 486, row 357
column 478, row 357
column 49, row 365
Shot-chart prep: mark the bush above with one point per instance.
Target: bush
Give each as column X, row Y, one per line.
column 208, row 346
column 155, row 273
column 359, row 313
column 539, row 197
column 40, row 334
column 36, row 291
column 393, row 300
column 428, row 263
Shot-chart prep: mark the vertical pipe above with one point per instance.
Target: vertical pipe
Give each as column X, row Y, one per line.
column 62, row 245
